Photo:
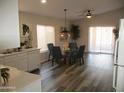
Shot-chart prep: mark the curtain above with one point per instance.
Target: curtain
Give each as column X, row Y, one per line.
column 101, row 39
column 45, row 35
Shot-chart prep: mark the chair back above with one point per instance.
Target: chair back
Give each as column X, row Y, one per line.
column 57, row 54
column 81, row 51
column 73, row 46
column 50, row 47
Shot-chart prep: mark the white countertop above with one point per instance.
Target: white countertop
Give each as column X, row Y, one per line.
column 22, row 51
column 23, row 81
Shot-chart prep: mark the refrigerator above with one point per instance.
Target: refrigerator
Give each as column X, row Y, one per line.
column 118, row 75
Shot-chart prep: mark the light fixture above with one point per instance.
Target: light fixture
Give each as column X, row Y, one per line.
column 65, row 33
column 65, row 28
column 43, row 1
column 89, row 14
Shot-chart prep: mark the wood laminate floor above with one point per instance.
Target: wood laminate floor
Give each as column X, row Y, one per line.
column 96, row 75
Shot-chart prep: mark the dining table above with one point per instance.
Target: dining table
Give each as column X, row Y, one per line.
column 70, row 56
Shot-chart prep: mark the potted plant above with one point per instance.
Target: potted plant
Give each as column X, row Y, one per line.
column 116, row 33
column 75, row 32
column 4, row 75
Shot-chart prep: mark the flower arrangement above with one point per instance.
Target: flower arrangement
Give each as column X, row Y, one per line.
column 4, row 75
column 116, row 33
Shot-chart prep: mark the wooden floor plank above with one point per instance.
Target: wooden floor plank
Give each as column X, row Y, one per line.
column 94, row 76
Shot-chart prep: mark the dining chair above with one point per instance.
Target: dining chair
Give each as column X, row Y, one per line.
column 57, row 55
column 73, row 46
column 50, row 47
column 80, row 54
column 73, row 52
column 72, row 57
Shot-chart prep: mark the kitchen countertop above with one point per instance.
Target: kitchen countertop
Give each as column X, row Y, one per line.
column 22, row 51
column 20, row 81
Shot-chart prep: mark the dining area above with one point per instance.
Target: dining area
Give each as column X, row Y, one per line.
column 71, row 69
column 70, row 54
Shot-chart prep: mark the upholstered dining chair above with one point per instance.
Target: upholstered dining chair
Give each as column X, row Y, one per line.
column 73, row 52
column 50, row 47
column 73, row 46
column 80, row 54
column 57, row 55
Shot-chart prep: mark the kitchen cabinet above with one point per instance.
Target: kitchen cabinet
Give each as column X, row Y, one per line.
column 11, row 61
column 1, row 60
column 26, row 60
column 33, row 60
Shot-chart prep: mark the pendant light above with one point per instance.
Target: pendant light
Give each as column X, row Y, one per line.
column 65, row 28
column 65, row 33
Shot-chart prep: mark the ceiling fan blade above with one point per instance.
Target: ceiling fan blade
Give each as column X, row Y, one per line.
column 83, row 14
column 80, row 15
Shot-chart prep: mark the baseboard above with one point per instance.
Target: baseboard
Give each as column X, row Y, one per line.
column 99, row 53
column 44, row 61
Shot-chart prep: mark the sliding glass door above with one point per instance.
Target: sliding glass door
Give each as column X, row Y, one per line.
column 101, row 39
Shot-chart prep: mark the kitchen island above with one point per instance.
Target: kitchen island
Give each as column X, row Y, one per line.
column 20, row 81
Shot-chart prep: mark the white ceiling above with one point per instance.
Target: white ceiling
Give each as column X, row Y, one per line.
column 55, row 8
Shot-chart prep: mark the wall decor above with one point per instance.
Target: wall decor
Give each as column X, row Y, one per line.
column 26, row 40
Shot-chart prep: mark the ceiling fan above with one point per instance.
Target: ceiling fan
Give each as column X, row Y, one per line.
column 87, row 13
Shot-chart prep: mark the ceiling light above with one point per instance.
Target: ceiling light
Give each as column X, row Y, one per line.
column 43, row 1
column 89, row 15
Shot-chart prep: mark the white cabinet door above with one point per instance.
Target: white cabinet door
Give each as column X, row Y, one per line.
column 44, row 57
column 18, row 61
column 1, row 61
column 33, row 60
column 10, row 61
column 22, row 61
column 25, row 61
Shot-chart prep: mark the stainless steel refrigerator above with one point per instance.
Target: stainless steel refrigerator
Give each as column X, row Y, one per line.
column 118, row 76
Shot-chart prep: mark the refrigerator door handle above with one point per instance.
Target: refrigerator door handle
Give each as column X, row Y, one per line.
column 115, row 64
column 119, row 65
column 116, row 52
column 115, row 76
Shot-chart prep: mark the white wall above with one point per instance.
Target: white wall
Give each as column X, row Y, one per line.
column 107, row 19
column 9, row 24
column 33, row 20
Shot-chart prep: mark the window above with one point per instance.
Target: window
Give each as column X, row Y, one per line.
column 101, row 39
column 45, row 35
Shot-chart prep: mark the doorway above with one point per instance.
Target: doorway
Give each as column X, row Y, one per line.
column 101, row 40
